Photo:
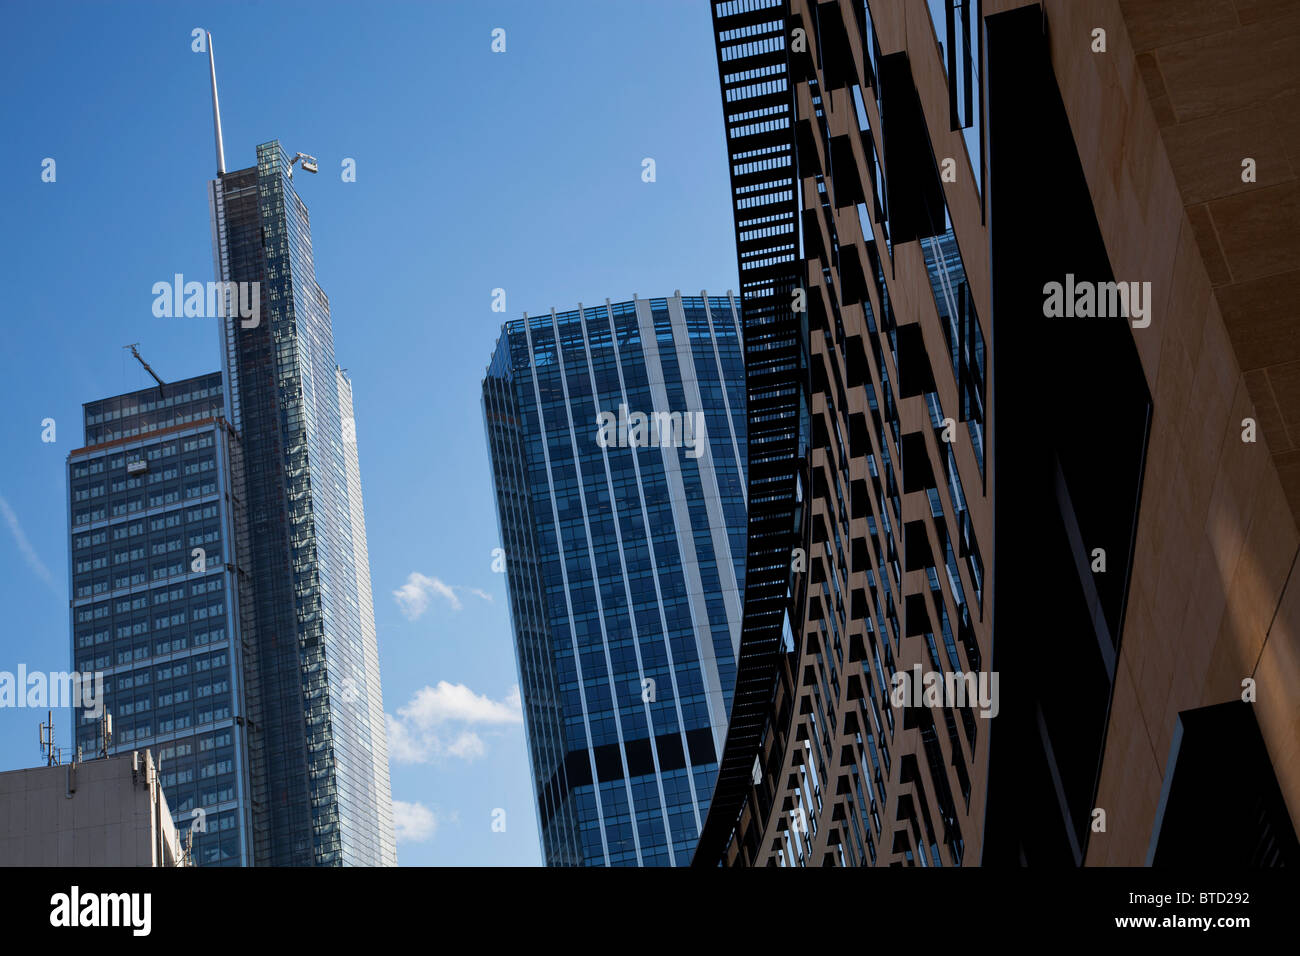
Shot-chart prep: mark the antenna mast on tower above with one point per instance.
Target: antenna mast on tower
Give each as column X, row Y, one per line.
column 216, row 110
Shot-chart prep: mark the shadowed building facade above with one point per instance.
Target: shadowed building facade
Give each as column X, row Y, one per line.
column 1073, row 501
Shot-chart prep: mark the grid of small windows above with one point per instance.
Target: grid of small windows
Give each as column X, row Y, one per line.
column 141, row 513
column 151, row 615
column 146, row 411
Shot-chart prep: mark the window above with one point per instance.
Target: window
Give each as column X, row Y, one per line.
column 956, row 26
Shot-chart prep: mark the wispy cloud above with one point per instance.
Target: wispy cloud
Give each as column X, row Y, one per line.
column 414, row 822
column 436, row 723
column 414, row 596
column 25, row 548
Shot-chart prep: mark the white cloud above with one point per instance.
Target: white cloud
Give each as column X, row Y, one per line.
column 467, row 746
column 403, row 746
column 446, row 702
column 414, row 596
column 414, row 822
column 25, row 547
column 436, row 723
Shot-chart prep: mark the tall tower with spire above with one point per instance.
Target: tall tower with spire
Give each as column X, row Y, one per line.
column 318, row 755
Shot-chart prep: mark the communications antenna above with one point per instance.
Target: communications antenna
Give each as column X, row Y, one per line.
column 48, row 750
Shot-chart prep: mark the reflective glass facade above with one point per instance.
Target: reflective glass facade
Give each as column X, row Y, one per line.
column 154, row 602
column 625, row 562
column 318, row 755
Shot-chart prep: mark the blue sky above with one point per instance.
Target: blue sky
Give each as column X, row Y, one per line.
column 475, row 170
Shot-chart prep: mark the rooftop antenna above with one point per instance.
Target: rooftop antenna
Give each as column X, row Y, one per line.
column 140, row 359
column 216, row 112
column 105, row 733
column 48, row 750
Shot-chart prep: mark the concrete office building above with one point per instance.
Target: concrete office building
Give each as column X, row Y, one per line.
column 110, row 811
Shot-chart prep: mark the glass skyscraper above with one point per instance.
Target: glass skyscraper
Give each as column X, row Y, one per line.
column 318, row 753
column 155, row 603
column 618, row 447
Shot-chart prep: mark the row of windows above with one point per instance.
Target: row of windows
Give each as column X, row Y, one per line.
column 159, row 499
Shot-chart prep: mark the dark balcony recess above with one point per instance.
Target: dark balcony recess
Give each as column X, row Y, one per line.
column 918, row 474
column 913, row 189
column 834, row 54
column 916, row 549
column 915, row 376
column 848, row 184
column 1219, row 750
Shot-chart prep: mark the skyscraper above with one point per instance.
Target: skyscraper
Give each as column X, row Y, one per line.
column 253, row 667
column 618, row 447
column 155, row 603
column 318, row 750
column 1076, row 524
column 220, row 573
